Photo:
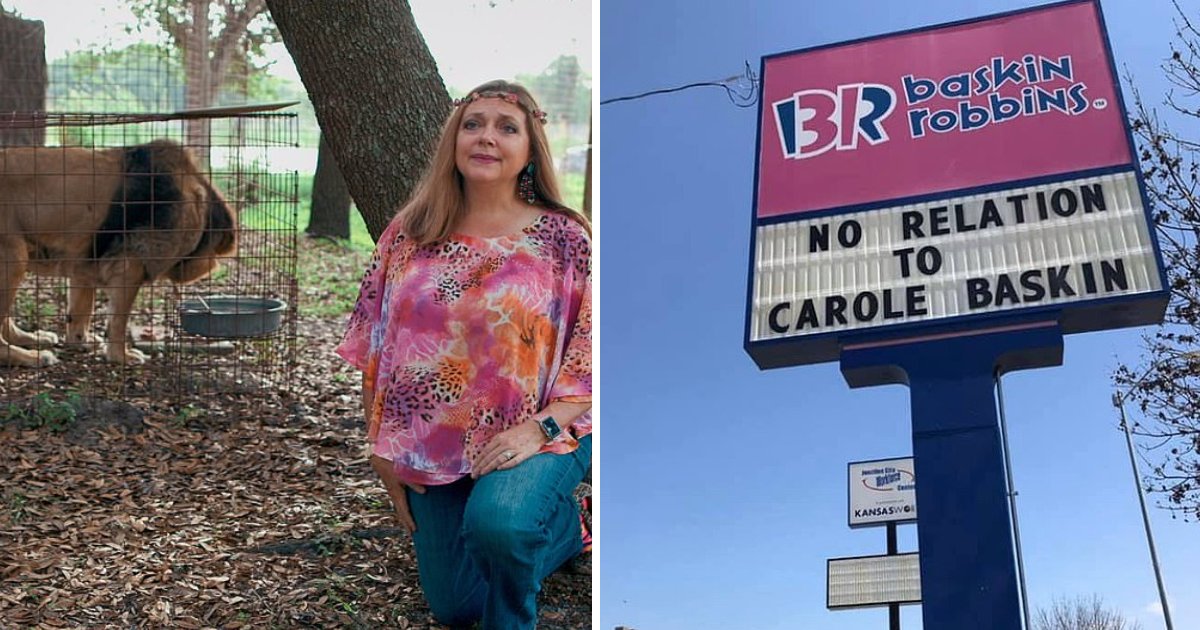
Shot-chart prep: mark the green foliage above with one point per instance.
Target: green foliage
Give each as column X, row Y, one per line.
column 143, row 78
column 563, row 89
column 42, row 411
column 328, row 270
column 174, row 20
column 185, row 414
column 374, row 501
column 137, row 79
column 342, row 594
column 360, row 237
column 15, row 503
column 328, row 273
column 262, row 87
column 571, row 187
column 33, row 310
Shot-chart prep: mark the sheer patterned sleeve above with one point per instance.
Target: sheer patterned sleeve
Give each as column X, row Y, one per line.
column 356, row 343
column 574, row 381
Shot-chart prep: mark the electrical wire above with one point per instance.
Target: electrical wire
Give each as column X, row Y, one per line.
column 742, row 93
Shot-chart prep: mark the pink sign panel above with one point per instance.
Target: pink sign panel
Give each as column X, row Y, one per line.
column 1003, row 99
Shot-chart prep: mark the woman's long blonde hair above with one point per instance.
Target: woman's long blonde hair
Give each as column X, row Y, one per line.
column 439, row 203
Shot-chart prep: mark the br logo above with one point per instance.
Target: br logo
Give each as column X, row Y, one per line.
column 812, row 122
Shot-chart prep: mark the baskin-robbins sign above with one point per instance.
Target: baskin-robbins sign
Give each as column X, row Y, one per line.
column 882, row 491
column 949, row 176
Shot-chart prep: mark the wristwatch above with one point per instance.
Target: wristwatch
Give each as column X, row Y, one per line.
column 550, row 428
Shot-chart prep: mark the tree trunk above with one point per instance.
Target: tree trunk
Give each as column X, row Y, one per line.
column 230, row 46
column 207, row 56
column 376, row 91
column 199, row 79
column 587, row 178
column 330, row 215
column 22, row 76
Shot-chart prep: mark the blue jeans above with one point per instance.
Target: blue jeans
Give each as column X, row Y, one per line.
column 484, row 545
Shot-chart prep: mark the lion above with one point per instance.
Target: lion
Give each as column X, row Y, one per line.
column 109, row 219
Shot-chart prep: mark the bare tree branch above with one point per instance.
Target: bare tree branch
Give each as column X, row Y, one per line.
column 1165, row 388
column 1081, row 614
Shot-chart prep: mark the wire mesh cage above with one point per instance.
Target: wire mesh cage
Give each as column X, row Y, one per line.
column 144, row 253
column 138, row 264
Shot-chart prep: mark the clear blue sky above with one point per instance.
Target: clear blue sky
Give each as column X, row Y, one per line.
column 722, row 487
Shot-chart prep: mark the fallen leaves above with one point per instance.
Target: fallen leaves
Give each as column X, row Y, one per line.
column 250, row 510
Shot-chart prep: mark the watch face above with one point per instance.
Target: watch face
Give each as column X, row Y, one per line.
column 550, row 428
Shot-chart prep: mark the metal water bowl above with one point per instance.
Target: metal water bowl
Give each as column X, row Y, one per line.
column 231, row 316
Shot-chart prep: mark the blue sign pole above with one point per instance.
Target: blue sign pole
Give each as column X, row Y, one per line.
column 968, row 573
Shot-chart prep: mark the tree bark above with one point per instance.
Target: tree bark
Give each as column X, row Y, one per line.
column 376, row 90
column 22, row 76
column 587, row 178
column 229, row 43
column 199, row 79
column 207, row 56
column 330, row 214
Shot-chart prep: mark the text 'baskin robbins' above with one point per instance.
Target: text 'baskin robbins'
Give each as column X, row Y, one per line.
column 813, row 121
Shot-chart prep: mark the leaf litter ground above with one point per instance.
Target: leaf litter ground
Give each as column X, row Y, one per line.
column 236, row 511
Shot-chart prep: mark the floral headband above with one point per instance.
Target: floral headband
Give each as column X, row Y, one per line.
column 511, row 97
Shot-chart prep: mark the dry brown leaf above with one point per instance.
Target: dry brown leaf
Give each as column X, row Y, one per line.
column 116, row 529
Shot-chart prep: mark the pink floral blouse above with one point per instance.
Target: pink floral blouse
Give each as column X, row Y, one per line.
column 463, row 339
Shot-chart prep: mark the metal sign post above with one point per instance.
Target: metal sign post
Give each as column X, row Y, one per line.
column 967, row 570
column 893, row 608
column 881, row 492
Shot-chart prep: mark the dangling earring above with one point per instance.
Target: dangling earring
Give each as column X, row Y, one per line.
column 525, row 188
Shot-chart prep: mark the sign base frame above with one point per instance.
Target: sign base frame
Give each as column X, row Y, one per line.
column 968, row 566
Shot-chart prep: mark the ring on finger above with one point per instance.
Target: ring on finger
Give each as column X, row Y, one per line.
column 508, row 455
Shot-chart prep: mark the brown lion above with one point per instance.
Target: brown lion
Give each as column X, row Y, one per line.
column 110, row 219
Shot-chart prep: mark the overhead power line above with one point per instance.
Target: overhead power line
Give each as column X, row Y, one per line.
column 742, row 89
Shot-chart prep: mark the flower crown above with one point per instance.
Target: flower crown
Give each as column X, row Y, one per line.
column 511, row 97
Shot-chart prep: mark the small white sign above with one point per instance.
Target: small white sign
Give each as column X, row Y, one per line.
column 882, row 491
column 873, row 581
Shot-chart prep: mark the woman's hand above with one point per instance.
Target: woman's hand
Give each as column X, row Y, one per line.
column 395, row 490
column 517, row 444
column 508, row 449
